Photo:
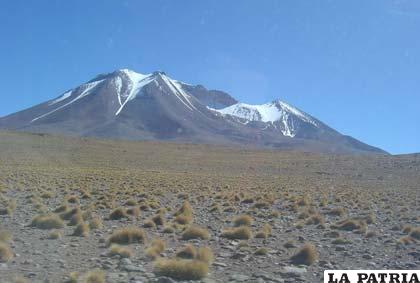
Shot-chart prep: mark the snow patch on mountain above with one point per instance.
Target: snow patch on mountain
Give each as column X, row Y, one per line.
column 137, row 83
column 61, row 98
column 176, row 88
column 271, row 113
column 86, row 90
column 118, row 86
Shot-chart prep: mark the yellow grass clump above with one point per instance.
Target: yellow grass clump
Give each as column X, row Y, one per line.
column 94, row 276
column 195, row 232
column 47, row 221
column 6, row 253
column 126, row 236
column 265, row 232
column 95, row 223
column 156, row 248
column 122, row 251
column 181, row 269
column 187, row 252
column 118, row 213
column 238, row 233
column 306, row 255
column 81, row 230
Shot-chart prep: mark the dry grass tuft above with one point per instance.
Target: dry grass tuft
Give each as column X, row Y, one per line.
column 20, row 279
column 156, row 248
column 61, row 208
column 184, row 219
column 261, row 251
column 181, row 269
column 307, row 255
column 195, row 232
column 72, row 199
column 315, row 220
column 81, row 230
column 134, row 211
column 239, row 233
column 126, row 236
column 95, row 223
column 265, row 232
column 47, row 221
column 185, row 214
column 168, row 229
column 6, row 253
column 350, row 225
column 407, row 229
column 149, row 224
column 406, row 240
column 242, row 220
column 188, row 252
column 94, row 276
column 5, row 236
column 121, row 251
column 415, row 233
column 73, row 277
column 54, row 235
column 205, row 254
column 76, row 219
column 185, row 209
column 68, row 214
column 158, row 219
column 118, row 214
column 131, row 202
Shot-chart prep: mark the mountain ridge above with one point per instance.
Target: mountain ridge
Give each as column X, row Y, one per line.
column 129, row 105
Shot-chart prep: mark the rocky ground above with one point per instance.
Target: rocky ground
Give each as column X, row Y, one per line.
column 353, row 212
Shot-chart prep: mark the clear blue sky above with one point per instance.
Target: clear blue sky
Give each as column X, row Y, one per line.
column 353, row 64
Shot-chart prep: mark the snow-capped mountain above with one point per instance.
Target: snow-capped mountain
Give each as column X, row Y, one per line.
column 128, row 105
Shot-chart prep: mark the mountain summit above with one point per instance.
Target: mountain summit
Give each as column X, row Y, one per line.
column 128, row 105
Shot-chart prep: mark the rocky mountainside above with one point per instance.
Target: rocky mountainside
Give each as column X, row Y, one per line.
column 128, row 105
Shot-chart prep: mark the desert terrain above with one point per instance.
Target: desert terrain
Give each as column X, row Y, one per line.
column 86, row 210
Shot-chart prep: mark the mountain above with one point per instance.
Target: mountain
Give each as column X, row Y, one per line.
column 129, row 105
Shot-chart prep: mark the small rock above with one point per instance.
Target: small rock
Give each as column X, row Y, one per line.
column 217, row 263
column 292, row 271
column 239, row 277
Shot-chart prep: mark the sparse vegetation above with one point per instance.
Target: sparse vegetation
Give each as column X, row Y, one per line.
column 95, row 223
column 239, row 233
column 81, row 230
column 261, row 251
column 243, row 220
column 121, row 251
column 126, row 236
column 195, row 232
column 157, row 247
column 6, row 253
column 50, row 221
column 118, row 213
column 188, row 252
column 217, row 196
column 306, row 255
column 181, row 269
column 94, row 276
column 54, row 235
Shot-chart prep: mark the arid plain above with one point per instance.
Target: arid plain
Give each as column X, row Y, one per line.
column 85, row 210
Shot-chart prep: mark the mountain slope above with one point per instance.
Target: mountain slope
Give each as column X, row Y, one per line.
column 129, row 105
